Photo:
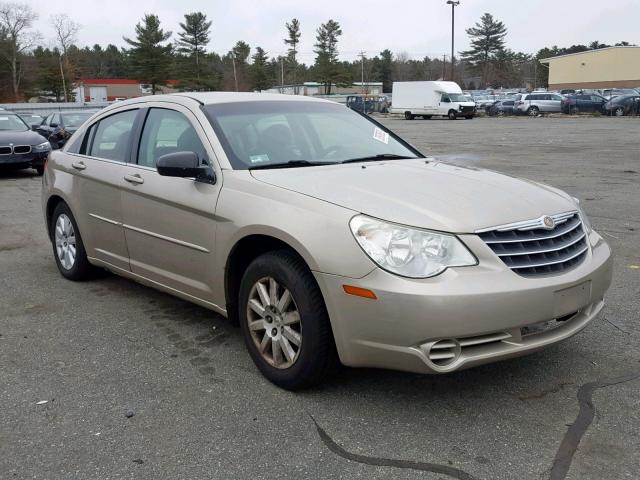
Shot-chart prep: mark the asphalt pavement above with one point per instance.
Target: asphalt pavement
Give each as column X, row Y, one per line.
column 141, row 385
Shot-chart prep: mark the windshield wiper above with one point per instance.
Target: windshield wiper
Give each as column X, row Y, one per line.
column 290, row 164
column 380, row 156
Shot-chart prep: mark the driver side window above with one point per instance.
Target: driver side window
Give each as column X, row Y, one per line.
column 167, row 131
column 446, row 99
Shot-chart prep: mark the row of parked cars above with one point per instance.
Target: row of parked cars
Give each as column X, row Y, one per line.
column 618, row 103
column 27, row 138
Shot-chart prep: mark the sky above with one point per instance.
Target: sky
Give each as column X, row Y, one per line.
column 417, row 27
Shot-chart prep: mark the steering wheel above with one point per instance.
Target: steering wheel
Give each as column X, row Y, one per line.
column 332, row 151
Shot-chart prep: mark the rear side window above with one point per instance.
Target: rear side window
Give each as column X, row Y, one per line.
column 113, row 133
column 167, row 131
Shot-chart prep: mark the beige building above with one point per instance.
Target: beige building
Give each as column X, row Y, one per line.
column 603, row 68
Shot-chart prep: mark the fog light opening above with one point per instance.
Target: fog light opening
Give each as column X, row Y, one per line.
column 444, row 352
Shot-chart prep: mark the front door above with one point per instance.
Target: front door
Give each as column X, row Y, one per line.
column 168, row 221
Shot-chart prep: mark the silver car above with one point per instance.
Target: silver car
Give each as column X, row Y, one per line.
column 325, row 235
column 538, row 102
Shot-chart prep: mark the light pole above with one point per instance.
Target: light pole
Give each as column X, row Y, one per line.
column 453, row 4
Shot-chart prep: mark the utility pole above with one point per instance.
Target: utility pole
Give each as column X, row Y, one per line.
column 282, row 72
column 364, row 92
column 444, row 66
column 235, row 76
column 453, row 4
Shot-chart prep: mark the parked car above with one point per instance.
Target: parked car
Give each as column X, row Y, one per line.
column 610, row 93
column 328, row 237
column 58, row 127
column 19, row 146
column 31, row 119
column 501, row 108
column 623, row 105
column 536, row 103
column 581, row 102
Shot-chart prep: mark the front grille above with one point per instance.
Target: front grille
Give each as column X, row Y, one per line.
column 5, row 150
column 466, row 109
column 22, row 149
column 530, row 249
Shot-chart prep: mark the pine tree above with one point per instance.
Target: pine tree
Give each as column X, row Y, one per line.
column 194, row 37
column 326, row 50
column 259, row 73
column 293, row 39
column 150, row 59
column 487, row 38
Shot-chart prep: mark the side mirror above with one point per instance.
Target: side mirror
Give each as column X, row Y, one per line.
column 35, row 127
column 185, row 165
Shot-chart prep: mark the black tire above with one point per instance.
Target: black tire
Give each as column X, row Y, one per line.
column 452, row 115
column 409, row 116
column 426, row 117
column 574, row 110
column 81, row 269
column 39, row 170
column 469, row 117
column 317, row 358
column 533, row 111
column 619, row 112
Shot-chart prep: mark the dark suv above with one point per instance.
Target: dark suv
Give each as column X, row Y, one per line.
column 583, row 102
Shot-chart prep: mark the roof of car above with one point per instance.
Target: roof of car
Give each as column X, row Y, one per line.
column 208, row 98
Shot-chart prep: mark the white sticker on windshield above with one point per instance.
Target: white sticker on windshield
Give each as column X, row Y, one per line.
column 380, row 135
column 263, row 158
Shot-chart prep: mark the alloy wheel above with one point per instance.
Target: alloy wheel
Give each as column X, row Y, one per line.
column 65, row 241
column 619, row 112
column 274, row 323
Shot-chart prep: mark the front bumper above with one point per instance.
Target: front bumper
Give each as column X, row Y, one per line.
column 479, row 314
column 23, row 160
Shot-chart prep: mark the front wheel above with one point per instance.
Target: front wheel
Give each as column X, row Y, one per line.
column 533, row 111
column 285, row 323
column 408, row 116
column 452, row 115
column 619, row 112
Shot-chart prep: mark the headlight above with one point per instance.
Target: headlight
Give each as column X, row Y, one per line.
column 583, row 216
column 43, row 147
column 409, row 252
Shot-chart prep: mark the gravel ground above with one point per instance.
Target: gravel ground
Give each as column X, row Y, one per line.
column 141, row 385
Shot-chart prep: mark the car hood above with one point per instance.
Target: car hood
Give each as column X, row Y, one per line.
column 21, row 138
column 424, row 193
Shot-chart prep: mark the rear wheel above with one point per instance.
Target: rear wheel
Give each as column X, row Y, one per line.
column 574, row 110
column 68, row 248
column 619, row 112
column 533, row 111
column 285, row 323
column 408, row 116
column 452, row 115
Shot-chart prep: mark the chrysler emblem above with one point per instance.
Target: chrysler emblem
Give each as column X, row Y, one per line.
column 548, row 222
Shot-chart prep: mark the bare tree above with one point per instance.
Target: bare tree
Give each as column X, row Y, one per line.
column 66, row 30
column 15, row 21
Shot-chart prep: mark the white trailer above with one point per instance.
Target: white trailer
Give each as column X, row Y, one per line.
column 428, row 99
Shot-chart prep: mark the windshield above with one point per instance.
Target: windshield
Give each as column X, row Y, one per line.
column 457, row 97
column 12, row 123
column 267, row 133
column 74, row 120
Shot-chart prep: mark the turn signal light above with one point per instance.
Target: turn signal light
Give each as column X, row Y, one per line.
column 359, row 292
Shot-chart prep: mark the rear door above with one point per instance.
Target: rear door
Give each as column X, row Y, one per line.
column 98, row 182
column 169, row 221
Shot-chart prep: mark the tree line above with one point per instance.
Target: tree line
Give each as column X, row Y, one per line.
column 33, row 66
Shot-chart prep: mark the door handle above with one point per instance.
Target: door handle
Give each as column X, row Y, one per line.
column 135, row 178
column 79, row 165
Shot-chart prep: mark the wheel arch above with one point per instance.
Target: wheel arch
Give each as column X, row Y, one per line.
column 52, row 202
column 243, row 252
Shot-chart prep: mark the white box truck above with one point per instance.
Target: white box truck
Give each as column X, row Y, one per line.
column 428, row 99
